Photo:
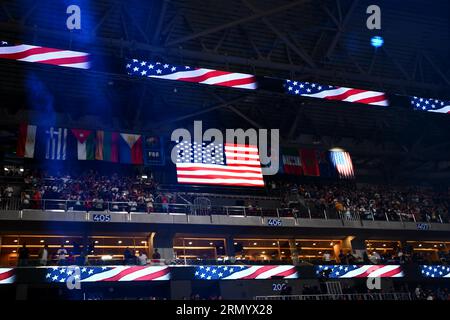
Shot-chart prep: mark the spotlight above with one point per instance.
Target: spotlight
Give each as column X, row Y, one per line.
column 376, row 41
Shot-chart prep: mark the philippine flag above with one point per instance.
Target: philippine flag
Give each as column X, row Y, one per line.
column 130, row 147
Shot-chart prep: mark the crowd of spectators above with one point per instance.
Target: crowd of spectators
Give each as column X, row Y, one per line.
column 94, row 192
column 370, row 202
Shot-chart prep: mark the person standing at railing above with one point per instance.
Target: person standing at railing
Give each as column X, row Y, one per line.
column 24, row 255
column 61, row 255
column 43, row 255
column 142, row 259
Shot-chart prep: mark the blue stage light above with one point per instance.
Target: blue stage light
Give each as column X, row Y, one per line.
column 376, row 41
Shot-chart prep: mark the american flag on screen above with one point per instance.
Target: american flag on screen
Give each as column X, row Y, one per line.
column 58, row 57
column 436, row 271
column 167, row 71
column 234, row 272
column 315, row 90
column 360, row 271
column 109, row 273
column 431, row 105
column 229, row 164
column 342, row 162
column 7, row 275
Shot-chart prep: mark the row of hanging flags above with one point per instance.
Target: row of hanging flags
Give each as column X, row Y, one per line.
column 315, row 163
column 53, row 143
column 168, row 71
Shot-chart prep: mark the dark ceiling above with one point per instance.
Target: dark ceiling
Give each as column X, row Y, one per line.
column 321, row 41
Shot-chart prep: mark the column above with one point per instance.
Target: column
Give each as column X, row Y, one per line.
column 358, row 245
column 163, row 241
column 229, row 247
column 294, row 252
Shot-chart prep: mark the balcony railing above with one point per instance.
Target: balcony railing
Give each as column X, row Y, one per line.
column 352, row 297
column 308, row 212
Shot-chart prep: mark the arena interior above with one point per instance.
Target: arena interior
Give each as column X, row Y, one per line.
column 119, row 180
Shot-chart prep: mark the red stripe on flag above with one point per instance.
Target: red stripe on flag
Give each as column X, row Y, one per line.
column 123, row 273
column 345, row 95
column 286, row 273
column 237, row 82
column 27, row 53
column 206, row 76
column 258, row 272
column 68, row 60
column 6, row 275
column 370, row 100
column 153, row 275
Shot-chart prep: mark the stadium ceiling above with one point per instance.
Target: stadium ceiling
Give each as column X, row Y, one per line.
column 325, row 41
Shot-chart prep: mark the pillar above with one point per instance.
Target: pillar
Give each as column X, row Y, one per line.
column 229, row 247
column 294, row 252
column 358, row 246
column 163, row 241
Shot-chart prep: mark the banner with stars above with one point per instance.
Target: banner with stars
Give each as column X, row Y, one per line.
column 158, row 70
column 109, row 273
column 359, row 271
column 234, row 272
column 437, row 271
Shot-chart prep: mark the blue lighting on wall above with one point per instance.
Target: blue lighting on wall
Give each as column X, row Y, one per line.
column 376, row 41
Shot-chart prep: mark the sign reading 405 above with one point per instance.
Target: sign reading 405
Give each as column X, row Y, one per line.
column 101, row 217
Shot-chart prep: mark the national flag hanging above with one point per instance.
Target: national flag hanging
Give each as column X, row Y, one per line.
column 234, row 272
column 315, row 90
column 26, row 141
column 84, row 144
column 431, row 105
column 309, row 162
column 167, row 71
column 30, row 53
column 325, row 167
column 107, row 146
column 342, row 162
column 360, row 271
column 130, row 148
column 229, row 164
column 51, row 143
column 291, row 161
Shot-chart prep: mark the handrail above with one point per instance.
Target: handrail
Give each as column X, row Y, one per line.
column 351, row 296
column 16, row 204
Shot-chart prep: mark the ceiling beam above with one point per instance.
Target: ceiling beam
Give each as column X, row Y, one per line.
column 235, row 23
column 121, row 44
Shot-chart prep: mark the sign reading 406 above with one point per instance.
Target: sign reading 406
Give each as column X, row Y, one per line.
column 274, row 222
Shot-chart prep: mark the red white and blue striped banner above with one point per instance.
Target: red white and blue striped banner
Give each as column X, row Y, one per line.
column 238, row 272
column 7, row 275
column 158, row 70
column 360, row 271
column 37, row 54
column 107, row 274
